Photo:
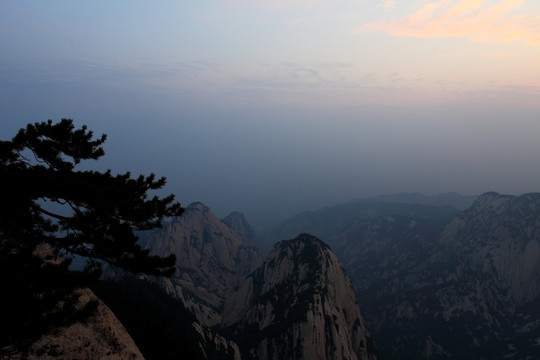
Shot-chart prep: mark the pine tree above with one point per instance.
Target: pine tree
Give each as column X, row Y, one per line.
column 51, row 212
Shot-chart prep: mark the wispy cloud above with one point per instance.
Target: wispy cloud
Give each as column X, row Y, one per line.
column 387, row 5
column 472, row 19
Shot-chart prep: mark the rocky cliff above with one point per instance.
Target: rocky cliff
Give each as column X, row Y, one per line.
column 298, row 304
column 500, row 236
column 102, row 336
column 433, row 282
column 211, row 257
column 160, row 325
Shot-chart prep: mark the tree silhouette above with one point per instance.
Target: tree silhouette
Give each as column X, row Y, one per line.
column 51, row 213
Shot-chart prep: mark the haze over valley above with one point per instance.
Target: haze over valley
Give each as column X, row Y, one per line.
column 277, row 107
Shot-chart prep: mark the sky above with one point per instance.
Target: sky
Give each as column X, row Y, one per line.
column 272, row 107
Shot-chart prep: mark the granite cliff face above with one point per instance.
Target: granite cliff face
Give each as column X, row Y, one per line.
column 435, row 282
column 99, row 334
column 500, row 235
column 160, row 325
column 298, row 304
column 211, row 257
column 102, row 336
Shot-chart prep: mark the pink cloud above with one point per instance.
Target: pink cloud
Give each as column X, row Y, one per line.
column 387, row 5
column 471, row 19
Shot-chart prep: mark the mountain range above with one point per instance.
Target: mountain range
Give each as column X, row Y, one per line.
column 301, row 290
column 436, row 281
column 394, row 277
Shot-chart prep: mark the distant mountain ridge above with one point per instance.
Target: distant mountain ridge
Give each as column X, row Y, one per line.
column 452, row 199
column 329, row 221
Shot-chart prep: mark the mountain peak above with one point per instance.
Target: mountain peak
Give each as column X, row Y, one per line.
column 238, row 222
column 298, row 304
column 211, row 259
column 197, row 206
column 303, row 240
column 305, row 249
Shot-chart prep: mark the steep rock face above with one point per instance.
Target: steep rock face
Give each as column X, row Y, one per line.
column 434, row 283
column 215, row 346
column 500, row 235
column 340, row 225
column 298, row 304
column 211, row 258
column 452, row 291
column 160, row 325
column 102, row 336
column 239, row 223
column 459, row 290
